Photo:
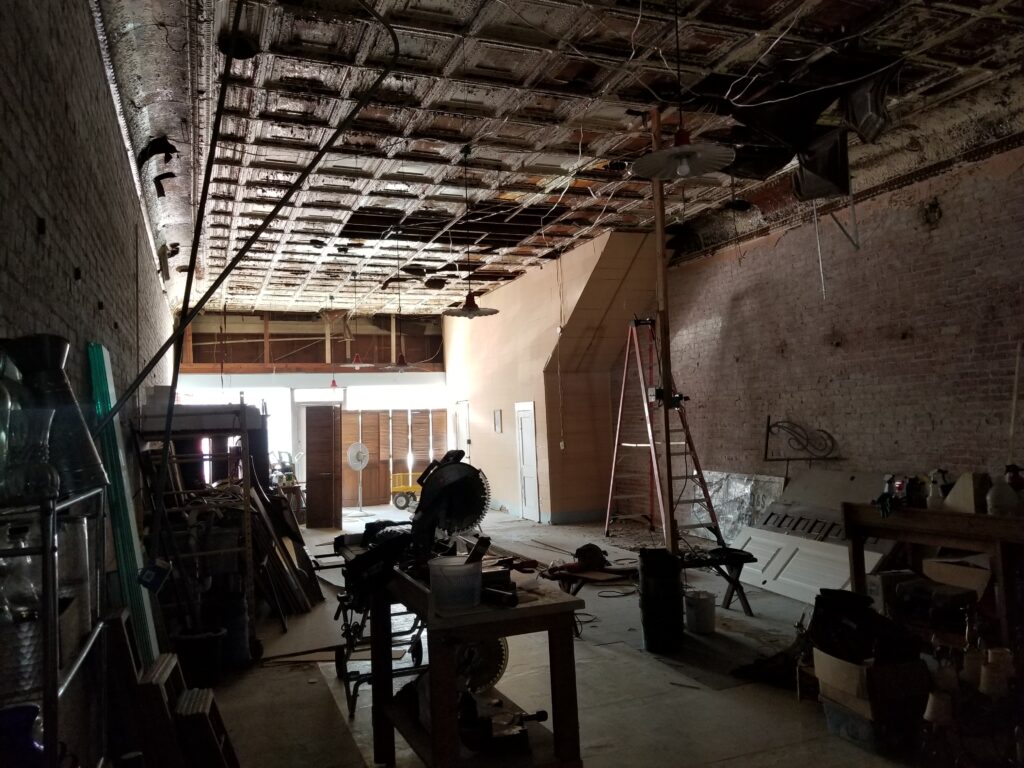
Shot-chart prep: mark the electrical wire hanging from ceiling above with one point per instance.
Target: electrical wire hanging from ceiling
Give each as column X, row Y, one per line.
column 158, row 534
column 300, row 180
column 469, row 308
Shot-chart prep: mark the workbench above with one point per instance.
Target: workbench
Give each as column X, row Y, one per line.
column 1002, row 538
column 549, row 611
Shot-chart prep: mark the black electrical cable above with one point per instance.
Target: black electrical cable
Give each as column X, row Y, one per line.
column 345, row 124
column 159, row 508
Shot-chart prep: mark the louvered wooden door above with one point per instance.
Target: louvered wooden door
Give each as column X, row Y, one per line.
column 365, row 427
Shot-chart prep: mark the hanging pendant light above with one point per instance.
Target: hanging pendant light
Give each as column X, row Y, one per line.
column 334, row 382
column 469, row 308
column 401, row 365
column 356, row 363
column 686, row 158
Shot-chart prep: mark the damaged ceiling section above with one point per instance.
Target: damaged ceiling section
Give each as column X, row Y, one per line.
column 508, row 131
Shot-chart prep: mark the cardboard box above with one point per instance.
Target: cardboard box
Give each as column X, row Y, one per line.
column 970, row 572
column 874, row 692
column 895, row 738
column 882, row 587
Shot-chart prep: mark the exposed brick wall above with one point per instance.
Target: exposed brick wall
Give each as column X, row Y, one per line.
column 67, row 199
column 909, row 358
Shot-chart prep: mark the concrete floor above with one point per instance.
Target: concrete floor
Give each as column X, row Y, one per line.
column 635, row 708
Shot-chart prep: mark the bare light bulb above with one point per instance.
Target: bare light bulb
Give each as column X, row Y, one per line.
column 683, row 169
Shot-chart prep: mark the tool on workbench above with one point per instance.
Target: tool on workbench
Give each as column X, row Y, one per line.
column 674, row 469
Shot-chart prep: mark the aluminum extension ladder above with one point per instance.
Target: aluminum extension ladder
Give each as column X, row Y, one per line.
column 688, row 486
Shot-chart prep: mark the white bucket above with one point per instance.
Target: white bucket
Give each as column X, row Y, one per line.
column 454, row 584
column 700, row 612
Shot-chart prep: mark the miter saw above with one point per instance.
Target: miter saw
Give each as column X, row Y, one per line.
column 454, row 498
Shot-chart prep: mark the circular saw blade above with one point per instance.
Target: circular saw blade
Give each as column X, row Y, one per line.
column 465, row 503
column 479, row 664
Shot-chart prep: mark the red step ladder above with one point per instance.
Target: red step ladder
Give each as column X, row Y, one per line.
column 679, row 463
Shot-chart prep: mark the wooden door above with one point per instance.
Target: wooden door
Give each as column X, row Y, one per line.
column 376, row 481
column 323, row 481
column 369, row 428
column 526, row 445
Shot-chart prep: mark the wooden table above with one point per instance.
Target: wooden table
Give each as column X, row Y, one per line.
column 551, row 612
column 1002, row 538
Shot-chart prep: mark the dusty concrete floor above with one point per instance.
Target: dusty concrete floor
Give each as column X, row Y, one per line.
column 635, row 709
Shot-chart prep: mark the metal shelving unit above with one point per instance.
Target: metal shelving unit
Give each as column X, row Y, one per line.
column 237, row 427
column 55, row 680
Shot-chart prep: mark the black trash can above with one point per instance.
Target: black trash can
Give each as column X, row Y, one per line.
column 661, row 601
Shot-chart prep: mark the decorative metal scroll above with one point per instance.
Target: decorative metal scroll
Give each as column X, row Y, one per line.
column 804, row 444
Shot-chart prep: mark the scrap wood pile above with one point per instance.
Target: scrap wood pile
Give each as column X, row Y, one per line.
column 206, row 524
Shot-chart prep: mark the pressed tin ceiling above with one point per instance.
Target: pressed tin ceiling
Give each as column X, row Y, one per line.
column 549, row 96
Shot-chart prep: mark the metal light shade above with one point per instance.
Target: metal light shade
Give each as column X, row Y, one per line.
column 470, row 309
column 683, row 161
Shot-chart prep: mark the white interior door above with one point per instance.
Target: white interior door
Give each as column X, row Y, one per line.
column 526, row 444
column 794, row 566
column 462, row 441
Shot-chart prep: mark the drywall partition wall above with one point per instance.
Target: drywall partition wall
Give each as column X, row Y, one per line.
column 581, row 406
column 495, row 362
column 908, row 359
column 76, row 256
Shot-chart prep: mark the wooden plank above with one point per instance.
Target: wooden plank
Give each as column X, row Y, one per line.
column 186, row 347
column 123, row 522
column 868, row 521
column 266, row 338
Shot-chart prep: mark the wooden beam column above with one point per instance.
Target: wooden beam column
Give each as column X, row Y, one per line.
column 671, row 533
column 266, row 338
column 186, row 346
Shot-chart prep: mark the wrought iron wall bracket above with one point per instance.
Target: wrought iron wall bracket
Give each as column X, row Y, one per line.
column 809, row 445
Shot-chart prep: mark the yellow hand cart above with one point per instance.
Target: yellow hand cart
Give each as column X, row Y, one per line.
column 404, row 489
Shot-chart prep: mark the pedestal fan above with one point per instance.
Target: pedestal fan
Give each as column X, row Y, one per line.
column 358, row 458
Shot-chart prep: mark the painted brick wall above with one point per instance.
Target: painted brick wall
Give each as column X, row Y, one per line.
column 909, row 358
column 67, row 198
